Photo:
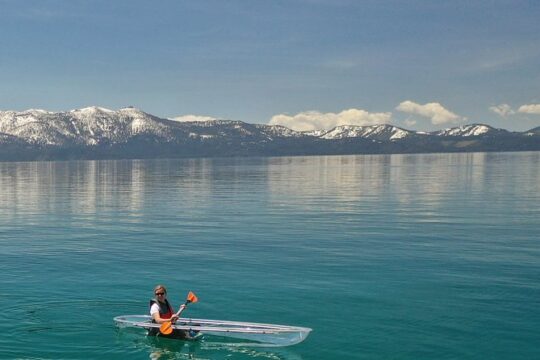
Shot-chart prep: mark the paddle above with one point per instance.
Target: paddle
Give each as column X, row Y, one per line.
column 166, row 327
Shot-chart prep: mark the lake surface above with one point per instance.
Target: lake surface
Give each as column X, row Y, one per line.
column 432, row 256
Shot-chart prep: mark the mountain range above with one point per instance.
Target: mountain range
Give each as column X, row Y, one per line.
column 99, row 133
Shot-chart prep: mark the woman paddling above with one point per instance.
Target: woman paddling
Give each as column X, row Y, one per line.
column 162, row 312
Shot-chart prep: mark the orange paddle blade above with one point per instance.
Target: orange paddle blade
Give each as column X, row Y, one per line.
column 192, row 298
column 166, row 328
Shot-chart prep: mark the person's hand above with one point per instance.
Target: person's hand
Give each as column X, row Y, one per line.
column 174, row 318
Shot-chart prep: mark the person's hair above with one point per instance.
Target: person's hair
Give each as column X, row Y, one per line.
column 160, row 287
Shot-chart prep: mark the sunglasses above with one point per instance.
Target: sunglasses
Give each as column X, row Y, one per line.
column 159, row 294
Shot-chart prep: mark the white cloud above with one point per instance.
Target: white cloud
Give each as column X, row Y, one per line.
column 315, row 120
column 410, row 122
column 193, row 118
column 435, row 111
column 530, row 109
column 503, row 110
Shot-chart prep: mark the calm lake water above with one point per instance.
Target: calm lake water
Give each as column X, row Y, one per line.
column 386, row 257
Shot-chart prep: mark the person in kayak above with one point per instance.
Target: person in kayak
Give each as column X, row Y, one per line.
column 162, row 311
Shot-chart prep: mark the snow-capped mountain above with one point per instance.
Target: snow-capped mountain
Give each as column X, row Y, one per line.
column 279, row 131
column 533, row 132
column 96, row 132
column 88, row 126
column 469, row 130
column 376, row 132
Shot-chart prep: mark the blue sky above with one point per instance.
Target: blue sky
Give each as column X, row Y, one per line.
column 421, row 65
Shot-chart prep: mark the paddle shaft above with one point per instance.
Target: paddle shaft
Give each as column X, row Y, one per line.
column 177, row 314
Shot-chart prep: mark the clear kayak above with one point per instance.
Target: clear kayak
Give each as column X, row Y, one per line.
column 267, row 334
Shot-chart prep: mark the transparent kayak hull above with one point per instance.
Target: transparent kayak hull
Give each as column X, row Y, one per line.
column 267, row 334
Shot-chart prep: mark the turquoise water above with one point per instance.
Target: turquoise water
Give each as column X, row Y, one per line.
column 386, row 257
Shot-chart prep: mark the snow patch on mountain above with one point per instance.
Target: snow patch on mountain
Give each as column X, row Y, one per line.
column 466, row 130
column 379, row 132
column 315, row 133
column 279, row 131
column 91, row 111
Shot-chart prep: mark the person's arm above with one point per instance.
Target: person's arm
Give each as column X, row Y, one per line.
column 154, row 312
